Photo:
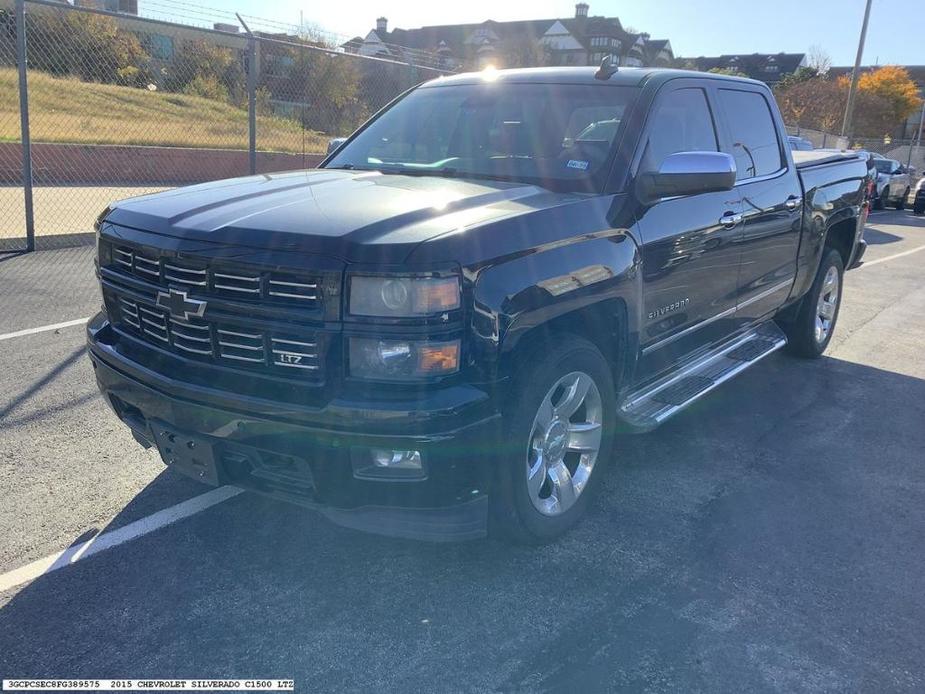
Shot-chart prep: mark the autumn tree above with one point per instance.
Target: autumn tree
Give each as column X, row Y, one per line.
column 801, row 74
column 894, row 86
column 813, row 103
column 885, row 97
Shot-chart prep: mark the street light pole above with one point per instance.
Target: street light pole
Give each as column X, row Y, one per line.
column 855, row 74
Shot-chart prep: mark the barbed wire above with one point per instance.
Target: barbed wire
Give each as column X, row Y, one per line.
column 203, row 16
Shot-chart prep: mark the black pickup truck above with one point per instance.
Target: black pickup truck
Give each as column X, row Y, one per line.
column 438, row 333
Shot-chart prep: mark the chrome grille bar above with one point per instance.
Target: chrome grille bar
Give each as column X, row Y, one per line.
column 290, row 290
column 276, row 285
column 222, row 280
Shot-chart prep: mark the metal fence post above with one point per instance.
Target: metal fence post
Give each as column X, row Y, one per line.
column 252, row 102
column 21, row 59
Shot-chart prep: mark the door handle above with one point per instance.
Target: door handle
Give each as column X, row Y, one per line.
column 793, row 202
column 730, row 219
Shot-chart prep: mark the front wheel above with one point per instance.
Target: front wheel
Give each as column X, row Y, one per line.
column 918, row 207
column 810, row 333
column 901, row 202
column 559, row 427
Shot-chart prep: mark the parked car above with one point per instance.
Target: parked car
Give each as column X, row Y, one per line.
column 438, row 333
column 918, row 203
column 799, row 144
column 893, row 183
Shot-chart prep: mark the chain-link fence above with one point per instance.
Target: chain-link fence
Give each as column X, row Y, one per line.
column 122, row 105
column 909, row 152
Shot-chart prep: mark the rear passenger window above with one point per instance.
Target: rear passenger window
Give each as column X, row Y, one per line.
column 681, row 123
column 754, row 137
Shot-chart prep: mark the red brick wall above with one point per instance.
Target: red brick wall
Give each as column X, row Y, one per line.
column 61, row 164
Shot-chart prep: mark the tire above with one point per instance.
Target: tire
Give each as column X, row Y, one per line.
column 879, row 201
column 806, row 337
column 533, row 500
column 918, row 208
column 901, row 202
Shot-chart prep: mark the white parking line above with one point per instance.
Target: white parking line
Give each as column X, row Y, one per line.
column 892, row 257
column 44, row 328
column 133, row 530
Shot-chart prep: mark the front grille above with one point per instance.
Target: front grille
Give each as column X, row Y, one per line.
column 215, row 279
column 229, row 344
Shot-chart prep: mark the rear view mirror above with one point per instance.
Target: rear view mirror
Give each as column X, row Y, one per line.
column 687, row 173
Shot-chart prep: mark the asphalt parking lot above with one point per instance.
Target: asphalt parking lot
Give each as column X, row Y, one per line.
column 771, row 538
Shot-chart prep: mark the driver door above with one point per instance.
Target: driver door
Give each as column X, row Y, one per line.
column 690, row 259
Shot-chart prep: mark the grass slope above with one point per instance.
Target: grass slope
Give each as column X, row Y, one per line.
column 68, row 110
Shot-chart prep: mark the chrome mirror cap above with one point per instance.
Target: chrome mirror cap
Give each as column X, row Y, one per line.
column 687, row 173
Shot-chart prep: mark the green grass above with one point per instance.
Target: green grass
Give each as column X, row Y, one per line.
column 71, row 111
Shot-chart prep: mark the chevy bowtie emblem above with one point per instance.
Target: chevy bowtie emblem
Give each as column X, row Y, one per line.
column 180, row 305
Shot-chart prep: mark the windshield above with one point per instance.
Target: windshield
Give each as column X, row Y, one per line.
column 885, row 165
column 555, row 135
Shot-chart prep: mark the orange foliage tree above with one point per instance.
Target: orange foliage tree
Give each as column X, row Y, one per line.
column 886, row 96
column 893, row 84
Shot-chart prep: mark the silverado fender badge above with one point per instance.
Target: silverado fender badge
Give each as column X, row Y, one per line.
column 180, row 305
column 662, row 310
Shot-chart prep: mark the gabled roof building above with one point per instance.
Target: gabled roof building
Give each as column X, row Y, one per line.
column 578, row 40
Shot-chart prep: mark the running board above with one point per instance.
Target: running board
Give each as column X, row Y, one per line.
column 650, row 406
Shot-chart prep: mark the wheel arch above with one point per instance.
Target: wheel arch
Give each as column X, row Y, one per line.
column 842, row 235
column 590, row 288
column 603, row 323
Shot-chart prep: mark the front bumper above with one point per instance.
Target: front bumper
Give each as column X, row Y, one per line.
column 307, row 455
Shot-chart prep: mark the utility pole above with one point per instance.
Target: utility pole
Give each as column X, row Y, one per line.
column 847, row 125
column 917, row 138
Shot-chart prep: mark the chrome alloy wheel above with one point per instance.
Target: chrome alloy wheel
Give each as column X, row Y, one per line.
column 564, row 443
column 827, row 305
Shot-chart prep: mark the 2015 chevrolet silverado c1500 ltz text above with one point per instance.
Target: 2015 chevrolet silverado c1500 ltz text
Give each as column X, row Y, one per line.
column 438, row 332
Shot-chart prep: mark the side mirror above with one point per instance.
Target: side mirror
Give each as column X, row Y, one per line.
column 335, row 143
column 687, row 173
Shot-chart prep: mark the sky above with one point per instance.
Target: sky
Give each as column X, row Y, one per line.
column 695, row 27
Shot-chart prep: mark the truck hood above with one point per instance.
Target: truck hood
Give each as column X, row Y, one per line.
column 356, row 216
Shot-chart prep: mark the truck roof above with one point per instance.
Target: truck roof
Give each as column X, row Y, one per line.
column 624, row 76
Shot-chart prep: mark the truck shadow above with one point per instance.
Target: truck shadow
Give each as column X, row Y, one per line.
column 876, row 237
column 735, row 532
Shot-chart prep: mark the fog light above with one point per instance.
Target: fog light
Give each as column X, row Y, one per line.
column 400, row 460
column 387, row 465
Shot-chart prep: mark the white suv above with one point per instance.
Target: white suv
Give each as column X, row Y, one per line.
column 893, row 183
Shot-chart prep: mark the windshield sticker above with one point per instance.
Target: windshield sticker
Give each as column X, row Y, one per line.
column 577, row 164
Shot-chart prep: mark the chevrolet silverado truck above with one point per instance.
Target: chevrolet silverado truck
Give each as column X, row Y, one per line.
column 438, row 332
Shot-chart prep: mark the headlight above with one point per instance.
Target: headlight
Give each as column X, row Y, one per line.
column 402, row 296
column 100, row 218
column 402, row 360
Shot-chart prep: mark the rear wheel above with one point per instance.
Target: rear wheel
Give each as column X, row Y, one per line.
column 810, row 333
column 880, row 200
column 918, row 207
column 559, row 428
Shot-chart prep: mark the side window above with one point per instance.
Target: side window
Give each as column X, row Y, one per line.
column 754, row 137
column 681, row 123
